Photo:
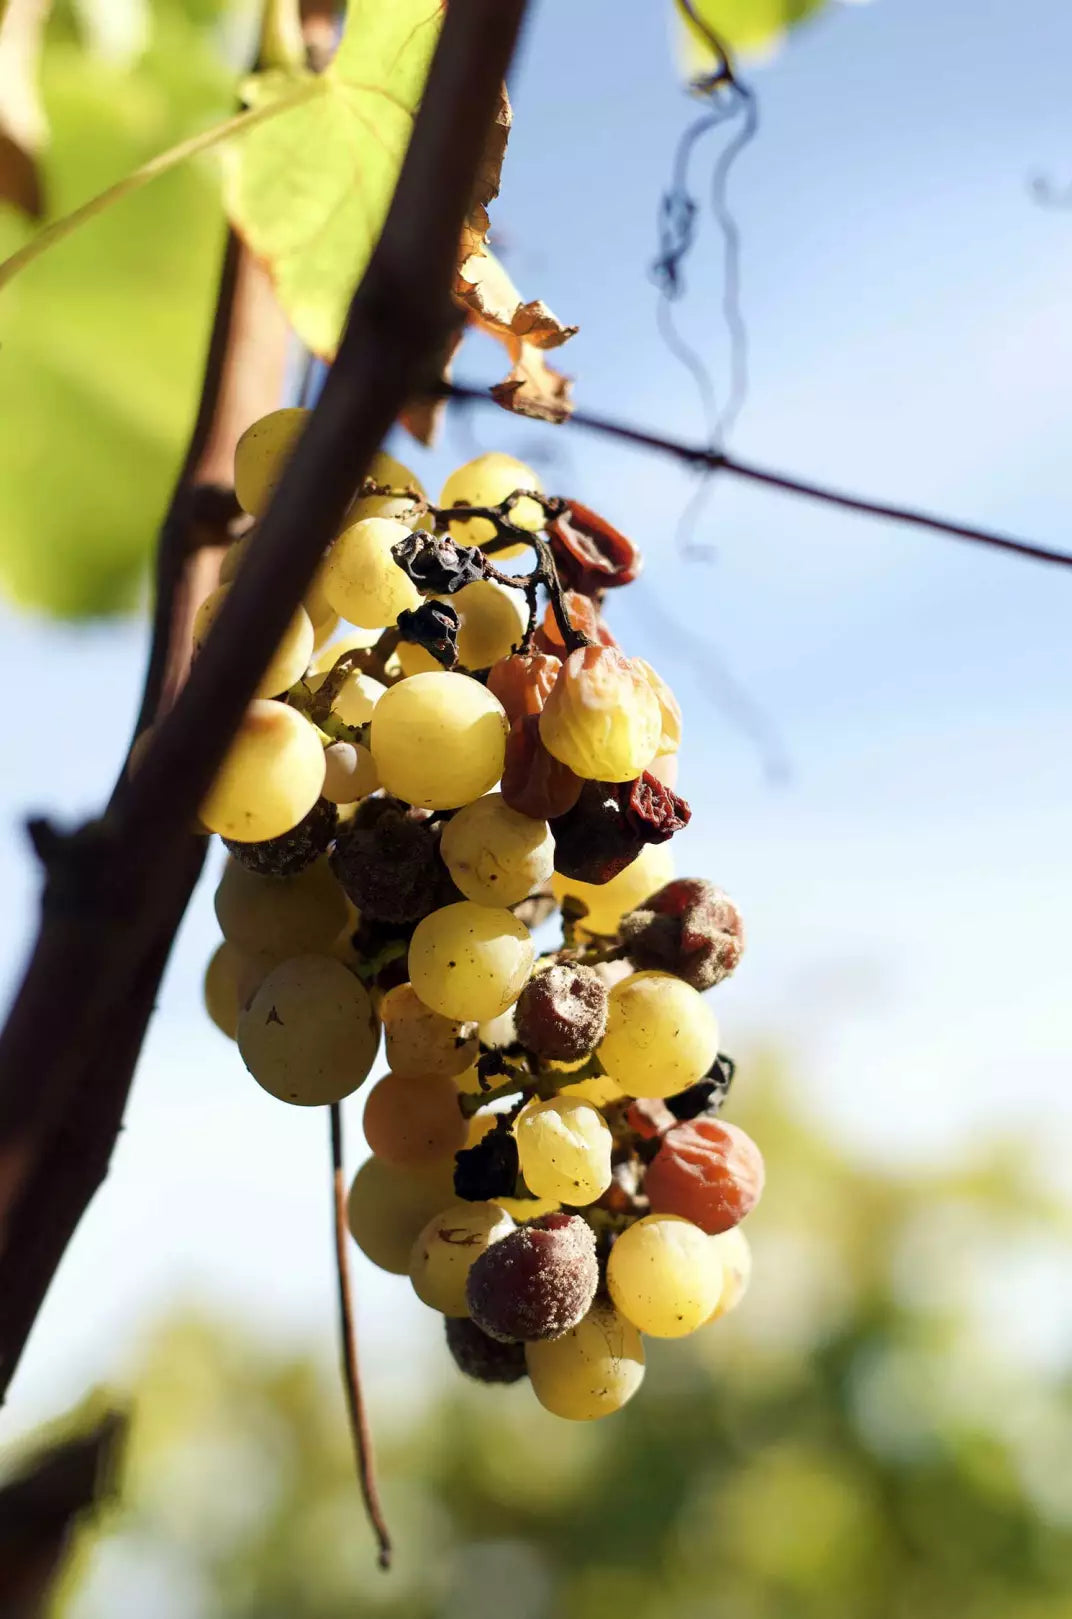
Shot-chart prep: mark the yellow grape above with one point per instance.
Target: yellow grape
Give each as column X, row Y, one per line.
column 664, row 1275
column 592, row 1370
column 661, row 1035
column 261, row 455
column 357, row 697
column 221, row 988
column 400, row 508
column 309, row 1035
column 528, row 1208
column 362, row 580
column 421, row 1042
column 290, row 658
column 438, row 740
column 414, row 659
column 349, row 773
column 564, row 1148
column 352, row 640
column 602, row 717
column 468, row 1081
column 233, row 558
column 270, row 777
column 280, row 916
column 388, row 1208
column 735, row 1253
column 391, row 473
column 608, row 902
column 492, row 620
column 498, row 1031
column 669, row 708
column 599, row 1090
column 446, row 1248
column 414, row 1122
column 495, row 855
column 470, row 961
column 486, row 481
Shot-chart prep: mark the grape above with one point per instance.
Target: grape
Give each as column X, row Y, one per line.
column 391, row 473
column 280, row 916
column 498, row 1031
column 261, row 455
column 733, row 1250
column 495, row 855
column 537, row 1282
column 413, row 1122
column 293, row 851
column 562, row 1012
column 590, row 1372
column 523, row 682
column 665, row 1276
column 491, row 622
column 661, row 1035
column 533, row 782
column 325, row 660
column 233, row 558
column 221, row 988
column 480, row 1357
column 669, row 708
column 420, row 1042
column 486, row 481
column 689, row 928
column 270, row 777
column 470, row 961
column 358, row 696
column 599, row 1090
column 362, row 580
column 388, row 1208
column 607, row 902
column 708, row 1172
column 438, row 740
column 349, row 773
column 290, row 658
column 583, row 615
column 488, row 1169
column 664, row 767
column 415, row 659
column 400, row 508
column 447, row 1248
column 564, row 1145
column 602, row 718
column 387, row 861
column 309, row 1034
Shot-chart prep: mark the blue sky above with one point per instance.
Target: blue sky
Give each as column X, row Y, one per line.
column 907, row 890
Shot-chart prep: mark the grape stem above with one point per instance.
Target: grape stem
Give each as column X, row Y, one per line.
column 355, row 1399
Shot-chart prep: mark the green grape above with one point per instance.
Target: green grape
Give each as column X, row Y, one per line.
column 608, row 902
column 279, row 917
column 309, row 1035
column 221, row 988
column 665, row 1275
column 495, row 855
column 602, row 717
column 438, row 740
column 733, row 1250
column 446, row 1248
column 270, row 777
column 358, row 696
column 290, row 658
column 470, row 961
column 661, row 1035
column 349, row 773
column 362, row 580
column 592, row 1371
column 388, row 1208
column 486, row 481
column 564, row 1148
column 492, row 620
column 420, row 1042
column 414, row 1122
column 261, row 455
column 415, row 659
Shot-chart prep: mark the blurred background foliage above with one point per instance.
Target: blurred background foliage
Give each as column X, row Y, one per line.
column 863, row 1440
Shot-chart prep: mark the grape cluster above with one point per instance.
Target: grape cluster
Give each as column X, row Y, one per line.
column 405, row 800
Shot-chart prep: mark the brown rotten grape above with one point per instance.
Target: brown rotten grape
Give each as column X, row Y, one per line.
column 533, row 782
column 292, row 851
column 611, row 822
column 562, row 1012
column 523, row 682
column 707, row 1172
column 690, row 928
column 487, row 1360
column 387, row 862
column 537, row 1282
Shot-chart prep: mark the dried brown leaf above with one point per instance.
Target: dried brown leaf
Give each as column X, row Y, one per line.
column 535, row 388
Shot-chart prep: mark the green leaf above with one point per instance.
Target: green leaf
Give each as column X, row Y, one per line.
column 309, row 190
column 743, row 25
column 101, row 344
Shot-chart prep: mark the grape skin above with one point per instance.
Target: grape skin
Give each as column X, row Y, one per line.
column 309, row 1036
column 270, row 777
column 665, row 1276
column 495, row 855
column 387, row 1208
column 592, row 1371
column 446, row 1249
column 661, row 1035
column 470, row 961
column 608, row 902
column 438, row 740
column 564, row 1145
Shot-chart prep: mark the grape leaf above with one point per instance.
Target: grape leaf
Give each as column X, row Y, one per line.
column 309, row 190
column 101, row 346
column 533, row 388
column 743, row 25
